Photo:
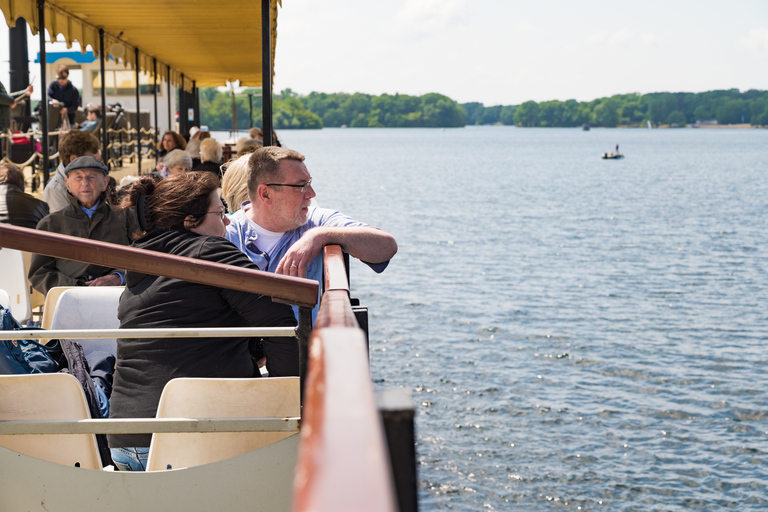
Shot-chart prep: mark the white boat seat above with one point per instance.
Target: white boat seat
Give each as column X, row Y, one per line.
column 48, row 396
column 89, row 307
column 220, row 398
column 13, row 279
column 5, row 300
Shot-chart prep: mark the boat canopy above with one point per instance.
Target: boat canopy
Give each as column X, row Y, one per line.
column 210, row 43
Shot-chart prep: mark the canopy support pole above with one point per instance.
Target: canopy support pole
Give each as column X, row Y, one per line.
column 170, row 126
column 266, row 71
column 154, row 92
column 104, row 134
column 250, row 106
column 138, row 110
column 43, row 90
column 196, row 102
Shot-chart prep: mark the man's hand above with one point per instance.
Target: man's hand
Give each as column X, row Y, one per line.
column 295, row 261
column 109, row 280
column 63, row 110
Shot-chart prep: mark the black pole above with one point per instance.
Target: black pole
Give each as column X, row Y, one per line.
column 250, row 107
column 182, row 108
column 138, row 111
column 154, row 92
column 19, row 61
column 104, row 134
column 43, row 90
column 196, row 101
column 266, row 71
column 170, row 126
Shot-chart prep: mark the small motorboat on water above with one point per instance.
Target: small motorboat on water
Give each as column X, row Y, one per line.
column 612, row 156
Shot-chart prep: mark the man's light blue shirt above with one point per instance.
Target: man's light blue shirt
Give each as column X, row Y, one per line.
column 241, row 233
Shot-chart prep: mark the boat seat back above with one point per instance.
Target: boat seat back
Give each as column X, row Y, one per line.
column 48, row 396
column 220, row 398
column 13, row 279
column 36, row 299
column 5, row 300
column 51, row 298
column 89, row 307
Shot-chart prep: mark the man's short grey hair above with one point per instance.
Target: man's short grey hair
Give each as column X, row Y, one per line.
column 177, row 157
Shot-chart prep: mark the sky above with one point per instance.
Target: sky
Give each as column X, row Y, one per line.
column 511, row 51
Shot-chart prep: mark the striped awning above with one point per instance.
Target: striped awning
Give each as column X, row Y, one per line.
column 209, row 42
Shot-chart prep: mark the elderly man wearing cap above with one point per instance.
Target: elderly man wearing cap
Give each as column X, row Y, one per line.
column 88, row 215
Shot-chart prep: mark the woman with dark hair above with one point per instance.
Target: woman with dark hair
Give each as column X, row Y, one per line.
column 183, row 215
column 167, row 143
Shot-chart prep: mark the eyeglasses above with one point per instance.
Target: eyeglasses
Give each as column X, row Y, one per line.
column 303, row 188
column 221, row 213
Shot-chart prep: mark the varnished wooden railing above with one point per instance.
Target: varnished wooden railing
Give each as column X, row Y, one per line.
column 302, row 292
column 343, row 460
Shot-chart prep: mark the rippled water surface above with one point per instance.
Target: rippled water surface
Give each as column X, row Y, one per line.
column 578, row 334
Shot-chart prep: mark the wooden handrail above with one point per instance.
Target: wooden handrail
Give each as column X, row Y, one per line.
column 295, row 290
column 343, row 461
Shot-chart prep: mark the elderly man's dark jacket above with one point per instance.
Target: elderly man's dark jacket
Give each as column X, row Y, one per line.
column 106, row 225
column 19, row 208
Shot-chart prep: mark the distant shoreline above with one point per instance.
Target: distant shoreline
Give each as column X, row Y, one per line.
column 741, row 126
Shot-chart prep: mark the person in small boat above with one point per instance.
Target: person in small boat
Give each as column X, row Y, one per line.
column 210, row 157
column 88, row 215
column 170, row 141
column 281, row 232
column 617, row 149
column 183, row 215
column 73, row 144
column 175, row 162
column 16, row 206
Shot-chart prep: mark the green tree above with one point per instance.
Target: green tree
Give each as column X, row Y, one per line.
column 527, row 114
column 676, row 118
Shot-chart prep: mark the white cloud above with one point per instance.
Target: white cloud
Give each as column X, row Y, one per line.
column 756, row 40
column 621, row 36
column 429, row 15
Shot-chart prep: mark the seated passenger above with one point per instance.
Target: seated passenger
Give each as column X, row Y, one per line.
column 210, row 157
column 170, row 141
column 17, row 207
column 73, row 144
column 282, row 232
column 92, row 120
column 175, row 162
column 88, row 215
column 234, row 183
column 193, row 146
column 247, row 146
column 183, row 216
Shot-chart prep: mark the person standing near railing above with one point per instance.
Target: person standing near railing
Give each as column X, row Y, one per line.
column 7, row 102
column 64, row 94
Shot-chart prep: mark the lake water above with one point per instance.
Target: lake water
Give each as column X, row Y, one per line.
column 578, row 333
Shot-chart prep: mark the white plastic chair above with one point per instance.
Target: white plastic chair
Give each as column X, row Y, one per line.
column 89, row 307
column 220, row 398
column 48, row 396
column 13, row 279
column 5, row 300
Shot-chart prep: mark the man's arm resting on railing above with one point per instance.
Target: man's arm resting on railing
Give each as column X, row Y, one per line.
column 363, row 242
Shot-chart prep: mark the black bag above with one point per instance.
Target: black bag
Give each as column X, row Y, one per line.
column 19, row 357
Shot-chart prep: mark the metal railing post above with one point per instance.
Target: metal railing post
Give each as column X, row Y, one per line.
column 104, row 134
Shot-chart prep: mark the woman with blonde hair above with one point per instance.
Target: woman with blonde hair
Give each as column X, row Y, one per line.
column 234, row 184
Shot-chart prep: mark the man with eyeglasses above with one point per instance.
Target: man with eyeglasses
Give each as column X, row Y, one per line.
column 282, row 232
column 87, row 215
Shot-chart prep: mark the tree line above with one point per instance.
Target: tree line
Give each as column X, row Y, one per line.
column 358, row 110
